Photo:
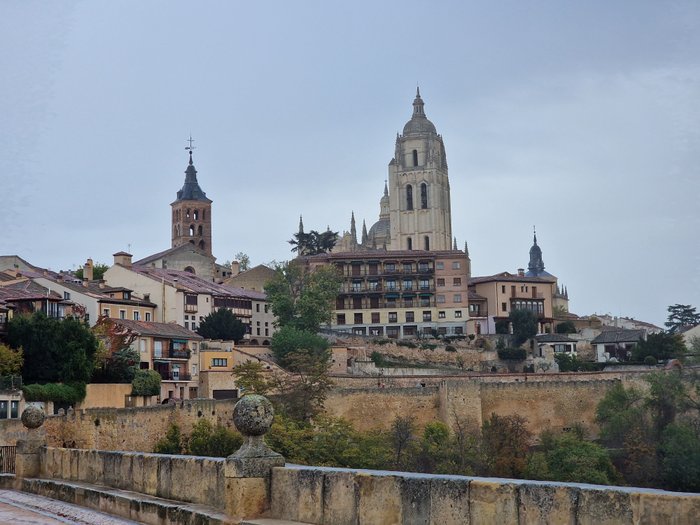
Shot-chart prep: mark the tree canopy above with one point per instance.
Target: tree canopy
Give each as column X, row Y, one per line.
column 10, row 360
column 98, row 271
column 222, row 324
column 524, row 325
column 55, row 350
column 680, row 315
column 313, row 242
column 302, row 298
column 661, row 346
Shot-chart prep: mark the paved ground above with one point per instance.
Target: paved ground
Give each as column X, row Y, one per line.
column 20, row 508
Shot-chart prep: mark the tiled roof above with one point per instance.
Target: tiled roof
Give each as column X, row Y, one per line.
column 618, row 336
column 27, row 290
column 505, row 276
column 191, row 283
column 554, row 338
column 157, row 256
column 171, row 330
column 473, row 296
column 386, row 255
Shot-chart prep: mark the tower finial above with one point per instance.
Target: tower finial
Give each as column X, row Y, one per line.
column 386, row 189
column 301, row 224
column 534, row 234
column 417, row 90
column 190, row 147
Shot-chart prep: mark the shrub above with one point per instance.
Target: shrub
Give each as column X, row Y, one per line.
column 512, row 354
column 502, row 326
column 567, row 327
column 69, row 394
column 378, row 359
column 450, row 348
column 146, row 383
column 171, row 443
column 407, row 344
column 650, row 360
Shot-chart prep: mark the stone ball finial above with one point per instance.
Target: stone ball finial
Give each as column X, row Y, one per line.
column 253, row 415
column 33, row 417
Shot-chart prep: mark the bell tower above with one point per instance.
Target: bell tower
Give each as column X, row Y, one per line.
column 191, row 212
column 419, row 188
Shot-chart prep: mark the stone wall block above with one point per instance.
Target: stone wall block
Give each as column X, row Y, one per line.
column 285, row 489
column 310, row 484
column 164, row 480
column 415, row 500
column 379, row 499
column 547, row 504
column 248, row 497
column 449, row 502
column 604, row 506
column 137, row 472
column 149, row 482
column 340, row 498
column 493, row 502
column 652, row 507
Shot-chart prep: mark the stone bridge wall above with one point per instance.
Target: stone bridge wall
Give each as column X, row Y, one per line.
column 326, row 496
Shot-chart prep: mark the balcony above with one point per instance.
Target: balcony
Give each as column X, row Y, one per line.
column 191, row 308
column 172, row 376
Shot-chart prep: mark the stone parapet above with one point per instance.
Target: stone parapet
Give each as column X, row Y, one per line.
column 343, row 496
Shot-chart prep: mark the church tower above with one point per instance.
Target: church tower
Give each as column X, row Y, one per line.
column 419, row 189
column 191, row 213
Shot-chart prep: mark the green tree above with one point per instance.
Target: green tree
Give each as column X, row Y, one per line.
column 222, row 324
column 569, row 457
column 250, row 378
column 402, row 435
column 10, row 360
column 506, row 442
column 171, row 443
column 313, row 242
column 680, row 457
column 524, row 325
column 115, row 360
column 303, row 390
column 213, row 441
column 567, row 327
column 145, row 383
column 98, row 271
column 680, row 315
column 55, row 350
column 288, row 340
column 243, row 260
column 436, row 450
column 661, row 346
column 301, row 298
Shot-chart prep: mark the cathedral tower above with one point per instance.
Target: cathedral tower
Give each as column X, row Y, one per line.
column 419, row 189
column 191, row 217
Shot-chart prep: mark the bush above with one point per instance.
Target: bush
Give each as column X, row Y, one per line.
column 146, row 383
column 567, row 327
column 502, row 326
column 70, row 394
column 450, row 348
column 288, row 340
column 218, row 441
column 171, row 443
column 512, row 354
column 407, row 344
column 378, row 359
column 428, row 346
column 650, row 360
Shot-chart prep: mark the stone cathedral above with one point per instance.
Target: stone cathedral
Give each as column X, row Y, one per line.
column 415, row 209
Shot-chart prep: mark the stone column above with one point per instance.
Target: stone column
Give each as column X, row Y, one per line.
column 248, row 471
column 27, row 457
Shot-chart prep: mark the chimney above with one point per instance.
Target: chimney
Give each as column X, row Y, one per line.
column 103, row 284
column 123, row 258
column 88, row 270
column 521, row 272
column 235, row 268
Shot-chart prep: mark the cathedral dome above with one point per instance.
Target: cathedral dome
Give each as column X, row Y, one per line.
column 380, row 231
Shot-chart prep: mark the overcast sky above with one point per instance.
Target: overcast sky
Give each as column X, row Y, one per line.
column 581, row 118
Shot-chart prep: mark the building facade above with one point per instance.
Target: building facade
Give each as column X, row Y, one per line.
column 400, row 294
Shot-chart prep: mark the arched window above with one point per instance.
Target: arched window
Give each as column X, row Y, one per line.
column 409, row 243
column 187, row 214
column 195, row 215
column 424, row 196
column 189, row 269
column 199, row 230
column 204, row 215
column 415, row 157
column 426, row 241
column 191, row 230
column 201, row 245
column 409, row 197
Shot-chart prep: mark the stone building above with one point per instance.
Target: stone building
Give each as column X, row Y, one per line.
column 415, row 210
column 400, row 294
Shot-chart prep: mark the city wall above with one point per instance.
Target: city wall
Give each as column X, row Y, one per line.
column 559, row 401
